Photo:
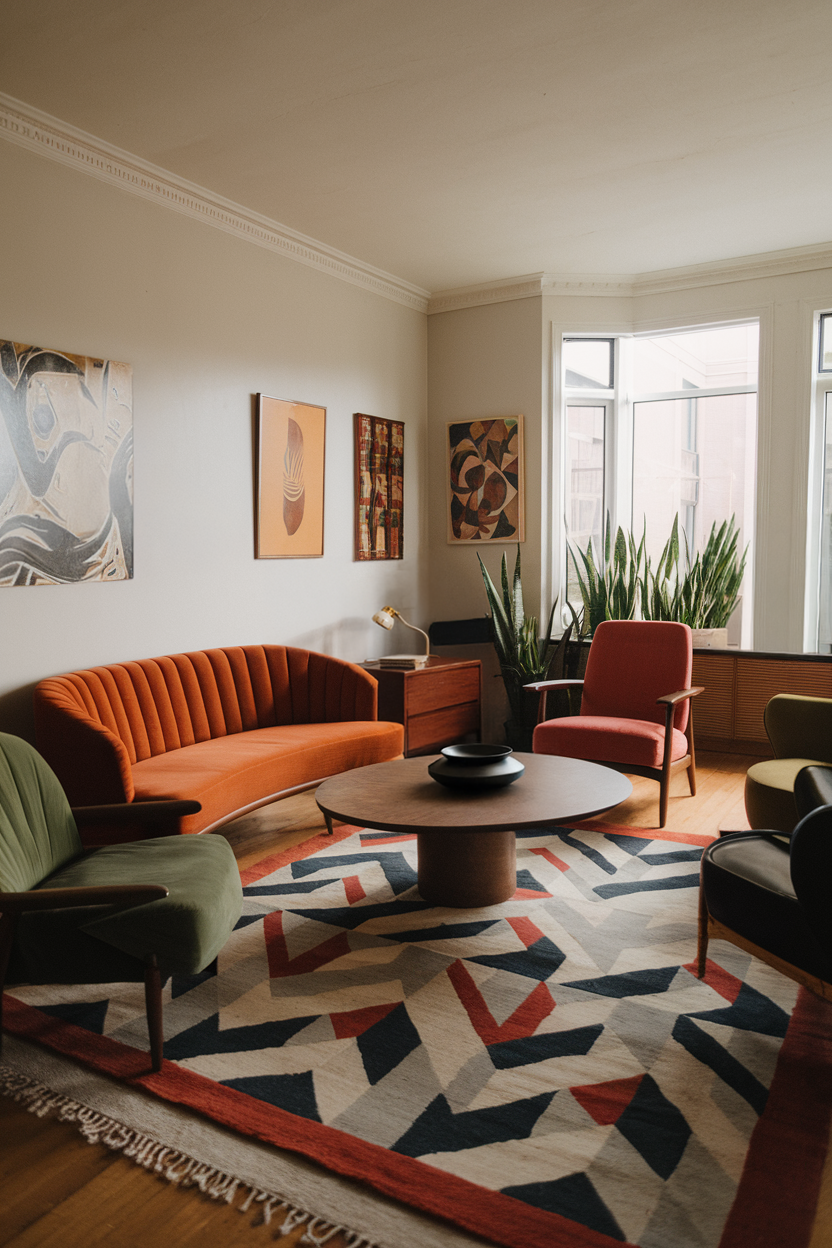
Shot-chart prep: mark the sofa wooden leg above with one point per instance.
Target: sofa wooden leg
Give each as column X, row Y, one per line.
column 153, row 1006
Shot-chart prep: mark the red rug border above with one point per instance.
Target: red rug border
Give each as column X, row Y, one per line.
column 501, row 1219
column 504, row 1220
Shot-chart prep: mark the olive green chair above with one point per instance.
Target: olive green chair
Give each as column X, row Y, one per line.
column 140, row 911
column 800, row 731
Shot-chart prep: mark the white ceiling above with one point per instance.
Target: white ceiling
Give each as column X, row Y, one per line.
column 452, row 142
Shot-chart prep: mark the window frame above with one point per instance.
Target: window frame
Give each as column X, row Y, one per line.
column 619, row 429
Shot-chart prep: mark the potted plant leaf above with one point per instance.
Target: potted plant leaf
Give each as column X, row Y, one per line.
column 523, row 655
column 702, row 593
column 609, row 583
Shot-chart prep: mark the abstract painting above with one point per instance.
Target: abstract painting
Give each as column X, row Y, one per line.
column 66, row 467
column 379, row 488
column 485, row 480
column 290, row 479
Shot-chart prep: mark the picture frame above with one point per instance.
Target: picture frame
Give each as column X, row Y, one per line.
column 66, row 467
column 291, row 444
column 485, row 480
column 379, row 488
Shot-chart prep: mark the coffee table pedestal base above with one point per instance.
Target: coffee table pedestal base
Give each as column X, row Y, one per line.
column 467, row 870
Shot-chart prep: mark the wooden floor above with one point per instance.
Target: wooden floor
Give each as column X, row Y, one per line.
column 57, row 1189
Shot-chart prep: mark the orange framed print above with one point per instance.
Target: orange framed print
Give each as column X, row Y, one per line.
column 290, row 479
column 485, row 480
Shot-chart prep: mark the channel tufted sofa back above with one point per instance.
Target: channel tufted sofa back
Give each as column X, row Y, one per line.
column 95, row 726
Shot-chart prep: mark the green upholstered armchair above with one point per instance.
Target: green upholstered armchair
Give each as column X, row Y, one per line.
column 122, row 913
column 800, row 731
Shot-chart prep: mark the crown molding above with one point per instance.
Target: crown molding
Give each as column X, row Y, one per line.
column 740, row 269
column 630, row 285
column 488, row 292
column 39, row 132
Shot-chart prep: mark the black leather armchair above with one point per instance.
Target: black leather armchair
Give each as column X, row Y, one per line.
column 770, row 895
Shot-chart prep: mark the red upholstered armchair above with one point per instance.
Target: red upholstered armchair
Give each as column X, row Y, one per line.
column 635, row 709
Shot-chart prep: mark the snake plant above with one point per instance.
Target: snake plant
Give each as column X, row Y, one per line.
column 523, row 655
column 610, row 584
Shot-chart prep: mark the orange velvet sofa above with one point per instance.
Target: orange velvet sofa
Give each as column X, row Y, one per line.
column 232, row 729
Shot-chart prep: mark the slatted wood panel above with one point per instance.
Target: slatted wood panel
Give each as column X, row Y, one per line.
column 713, row 710
column 758, row 680
column 738, row 688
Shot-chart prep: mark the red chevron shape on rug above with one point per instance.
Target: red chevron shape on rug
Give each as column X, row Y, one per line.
column 353, row 889
column 550, row 857
column 522, row 1023
column 727, row 985
column 351, row 1023
column 606, row 1102
column 528, row 932
column 281, row 965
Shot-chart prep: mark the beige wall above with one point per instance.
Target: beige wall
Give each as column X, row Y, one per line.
column 206, row 321
column 485, row 361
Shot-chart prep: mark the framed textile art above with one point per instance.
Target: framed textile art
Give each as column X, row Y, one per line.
column 66, row 467
column 290, row 479
column 379, row 488
column 485, row 480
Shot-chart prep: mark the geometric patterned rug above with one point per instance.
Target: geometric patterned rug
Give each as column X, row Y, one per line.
column 546, row 1072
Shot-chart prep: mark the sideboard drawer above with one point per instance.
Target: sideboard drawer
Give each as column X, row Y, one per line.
column 437, row 688
column 426, row 734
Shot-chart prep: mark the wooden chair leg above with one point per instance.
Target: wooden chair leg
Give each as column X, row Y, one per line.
column 153, row 1006
column 667, row 759
column 702, row 942
column 692, row 752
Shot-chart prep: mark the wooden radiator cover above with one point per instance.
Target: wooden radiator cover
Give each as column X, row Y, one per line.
column 729, row 714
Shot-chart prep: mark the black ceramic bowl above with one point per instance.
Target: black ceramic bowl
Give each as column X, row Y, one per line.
column 476, row 767
column 476, row 755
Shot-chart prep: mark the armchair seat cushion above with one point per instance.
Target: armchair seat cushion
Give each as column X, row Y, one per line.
column 606, row 738
column 748, row 885
column 99, row 944
column 239, row 772
column 769, row 793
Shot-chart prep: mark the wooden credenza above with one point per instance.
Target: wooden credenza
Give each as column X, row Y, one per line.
column 438, row 704
column 728, row 716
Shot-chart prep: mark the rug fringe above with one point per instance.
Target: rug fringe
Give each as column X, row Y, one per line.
column 171, row 1164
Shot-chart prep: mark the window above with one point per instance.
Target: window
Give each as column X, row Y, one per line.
column 677, row 438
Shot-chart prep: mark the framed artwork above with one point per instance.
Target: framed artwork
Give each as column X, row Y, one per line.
column 379, row 488
column 290, row 479
column 66, row 467
column 486, row 494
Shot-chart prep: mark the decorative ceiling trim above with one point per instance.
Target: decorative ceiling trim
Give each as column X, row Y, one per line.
column 628, row 286
column 489, row 292
column 37, row 131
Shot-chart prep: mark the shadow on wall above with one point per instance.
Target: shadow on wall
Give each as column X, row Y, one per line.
column 471, row 639
column 17, row 713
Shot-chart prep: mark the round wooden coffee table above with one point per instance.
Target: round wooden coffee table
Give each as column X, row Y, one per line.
column 466, row 847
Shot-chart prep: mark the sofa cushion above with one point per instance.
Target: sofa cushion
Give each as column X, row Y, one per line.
column 232, row 774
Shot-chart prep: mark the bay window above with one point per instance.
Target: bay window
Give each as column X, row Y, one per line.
column 662, row 425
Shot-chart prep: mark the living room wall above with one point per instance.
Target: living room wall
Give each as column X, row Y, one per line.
column 206, row 321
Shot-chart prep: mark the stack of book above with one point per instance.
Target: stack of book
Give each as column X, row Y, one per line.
column 409, row 662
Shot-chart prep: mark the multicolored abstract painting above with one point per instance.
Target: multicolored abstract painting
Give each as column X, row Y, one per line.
column 485, row 480
column 66, row 467
column 379, row 488
column 290, row 479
